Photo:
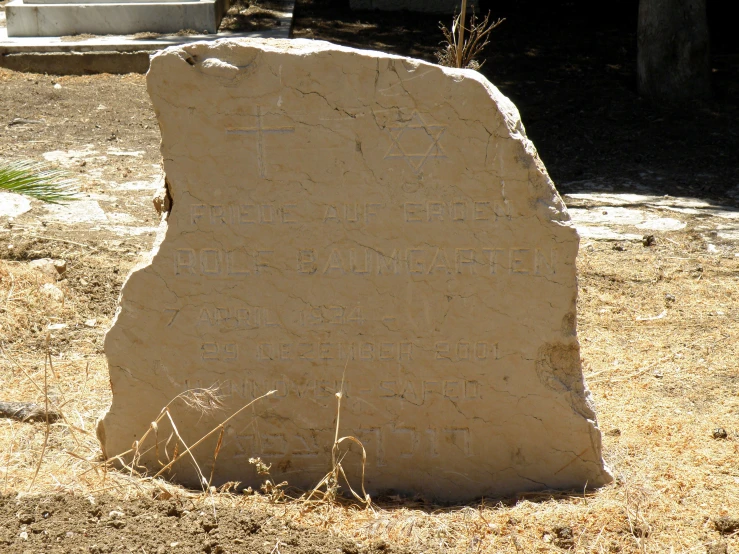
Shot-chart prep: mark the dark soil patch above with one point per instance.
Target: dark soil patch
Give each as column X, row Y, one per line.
column 95, row 278
column 63, row 523
column 248, row 15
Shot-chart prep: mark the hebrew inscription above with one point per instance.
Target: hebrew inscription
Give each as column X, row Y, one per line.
column 357, row 223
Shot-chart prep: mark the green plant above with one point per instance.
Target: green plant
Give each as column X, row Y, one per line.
column 460, row 51
column 35, row 180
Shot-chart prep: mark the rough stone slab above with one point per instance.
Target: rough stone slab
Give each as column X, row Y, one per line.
column 43, row 20
column 350, row 216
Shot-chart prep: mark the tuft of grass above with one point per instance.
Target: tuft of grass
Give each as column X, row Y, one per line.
column 37, row 181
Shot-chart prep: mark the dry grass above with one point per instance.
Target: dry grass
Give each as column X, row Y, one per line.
column 661, row 386
column 461, row 51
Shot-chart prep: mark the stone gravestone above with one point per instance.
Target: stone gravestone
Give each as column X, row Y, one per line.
column 44, row 18
column 346, row 216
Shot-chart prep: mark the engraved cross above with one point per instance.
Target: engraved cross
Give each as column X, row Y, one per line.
column 260, row 131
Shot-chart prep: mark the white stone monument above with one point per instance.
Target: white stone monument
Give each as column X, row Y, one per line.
column 44, row 18
column 346, row 216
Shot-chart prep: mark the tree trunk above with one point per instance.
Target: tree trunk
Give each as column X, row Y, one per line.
column 673, row 63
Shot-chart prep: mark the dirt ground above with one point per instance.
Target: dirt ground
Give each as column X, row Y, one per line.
column 657, row 324
column 59, row 523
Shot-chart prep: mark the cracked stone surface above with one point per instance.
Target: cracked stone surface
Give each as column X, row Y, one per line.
column 346, row 220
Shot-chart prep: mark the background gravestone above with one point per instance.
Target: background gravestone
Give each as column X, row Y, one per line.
column 336, row 215
column 55, row 18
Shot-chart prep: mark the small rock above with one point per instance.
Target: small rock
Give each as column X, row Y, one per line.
column 57, row 86
column 47, row 266
column 726, row 525
column 23, row 535
column 618, row 248
column 52, row 292
column 649, row 240
column 208, row 523
column 26, row 518
column 720, row 434
column 614, row 433
column 115, row 514
column 563, row 537
column 719, row 547
column 117, row 523
column 90, row 322
column 669, row 298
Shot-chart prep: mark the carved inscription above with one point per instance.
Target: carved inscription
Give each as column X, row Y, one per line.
column 413, row 391
column 226, row 317
column 248, row 443
column 365, row 351
column 332, row 315
column 433, row 211
column 245, row 214
column 352, row 213
column 382, row 442
column 423, row 260
column 222, row 352
column 216, row 262
column 466, row 350
column 405, row 441
column 217, row 215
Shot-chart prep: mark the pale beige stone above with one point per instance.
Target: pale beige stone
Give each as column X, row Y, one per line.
column 349, row 215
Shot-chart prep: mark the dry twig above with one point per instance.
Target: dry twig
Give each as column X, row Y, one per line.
column 460, row 52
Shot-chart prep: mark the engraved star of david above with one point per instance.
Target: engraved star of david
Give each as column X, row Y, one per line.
column 410, row 139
